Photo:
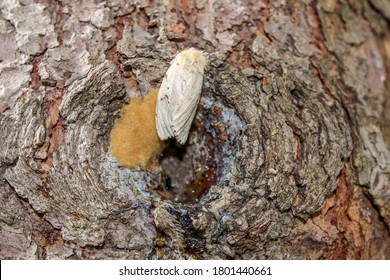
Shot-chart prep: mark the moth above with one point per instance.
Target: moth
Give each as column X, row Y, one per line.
column 179, row 95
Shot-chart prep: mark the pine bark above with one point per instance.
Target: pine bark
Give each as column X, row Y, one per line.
column 288, row 156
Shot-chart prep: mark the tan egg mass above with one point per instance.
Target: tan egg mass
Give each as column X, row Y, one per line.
column 134, row 139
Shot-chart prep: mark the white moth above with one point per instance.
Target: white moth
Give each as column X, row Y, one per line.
column 179, row 95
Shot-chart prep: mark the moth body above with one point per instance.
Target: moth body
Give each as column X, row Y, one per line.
column 179, row 95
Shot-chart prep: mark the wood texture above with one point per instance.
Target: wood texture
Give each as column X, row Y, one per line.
column 288, row 157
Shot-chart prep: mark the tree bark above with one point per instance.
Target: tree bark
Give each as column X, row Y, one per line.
column 288, row 157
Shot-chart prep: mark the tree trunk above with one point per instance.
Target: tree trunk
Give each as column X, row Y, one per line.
column 288, row 156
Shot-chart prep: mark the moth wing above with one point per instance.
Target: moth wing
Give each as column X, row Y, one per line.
column 188, row 95
column 165, row 105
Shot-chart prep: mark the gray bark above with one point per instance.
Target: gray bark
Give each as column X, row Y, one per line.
column 292, row 130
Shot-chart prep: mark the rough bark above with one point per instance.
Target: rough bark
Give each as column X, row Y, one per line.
column 291, row 137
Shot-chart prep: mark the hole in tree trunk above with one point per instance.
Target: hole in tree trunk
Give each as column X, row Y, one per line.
column 189, row 170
